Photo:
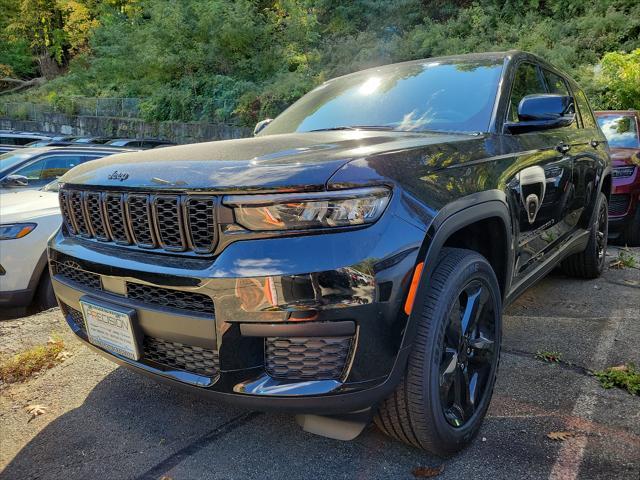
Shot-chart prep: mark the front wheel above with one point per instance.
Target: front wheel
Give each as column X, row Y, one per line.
column 443, row 398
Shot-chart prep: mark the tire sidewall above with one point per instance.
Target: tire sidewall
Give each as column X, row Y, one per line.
column 471, row 267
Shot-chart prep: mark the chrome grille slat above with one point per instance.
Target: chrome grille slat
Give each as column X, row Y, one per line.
column 166, row 210
column 163, row 222
column 63, row 197
column 95, row 216
column 140, row 220
column 117, row 222
column 200, row 212
column 76, row 204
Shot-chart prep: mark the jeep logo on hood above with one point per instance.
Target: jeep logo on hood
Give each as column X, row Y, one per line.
column 116, row 175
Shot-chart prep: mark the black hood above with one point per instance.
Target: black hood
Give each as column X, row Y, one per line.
column 297, row 161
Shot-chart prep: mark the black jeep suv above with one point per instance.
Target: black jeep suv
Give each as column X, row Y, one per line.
column 353, row 258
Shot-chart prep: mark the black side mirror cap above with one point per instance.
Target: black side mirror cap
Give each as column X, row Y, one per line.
column 261, row 125
column 543, row 112
column 14, row 181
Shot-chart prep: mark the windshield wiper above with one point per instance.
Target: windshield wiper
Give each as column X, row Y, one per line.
column 354, row 127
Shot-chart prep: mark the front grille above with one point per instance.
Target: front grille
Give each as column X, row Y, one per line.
column 301, row 358
column 70, row 270
column 619, row 204
column 198, row 360
column 173, row 223
column 165, row 297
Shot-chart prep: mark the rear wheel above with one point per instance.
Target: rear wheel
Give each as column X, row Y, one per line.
column 590, row 262
column 443, row 398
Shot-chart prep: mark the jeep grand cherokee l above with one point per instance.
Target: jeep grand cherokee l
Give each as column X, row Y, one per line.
column 353, row 258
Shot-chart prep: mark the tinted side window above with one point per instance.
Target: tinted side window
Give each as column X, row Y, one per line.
column 6, row 141
column 555, row 83
column 588, row 120
column 527, row 81
column 558, row 85
column 33, row 170
column 50, row 168
column 24, row 140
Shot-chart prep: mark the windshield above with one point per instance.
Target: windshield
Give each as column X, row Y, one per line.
column 438, row 95
column 11, row 159
column 621, row 130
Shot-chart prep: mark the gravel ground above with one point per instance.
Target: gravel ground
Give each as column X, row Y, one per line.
column 103, row 421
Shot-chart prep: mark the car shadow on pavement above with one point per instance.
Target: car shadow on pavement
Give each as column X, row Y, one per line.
column 133, row 427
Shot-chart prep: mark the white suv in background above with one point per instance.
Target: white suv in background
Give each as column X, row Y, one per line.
column 28, row 217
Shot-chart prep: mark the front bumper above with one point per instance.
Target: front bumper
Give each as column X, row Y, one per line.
column 309, row 324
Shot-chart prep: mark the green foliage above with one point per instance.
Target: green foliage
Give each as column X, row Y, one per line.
column 626, row 377
column 244, row 60
column 620, row 80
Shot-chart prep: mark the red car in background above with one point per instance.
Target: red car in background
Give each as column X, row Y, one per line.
column 622, row 129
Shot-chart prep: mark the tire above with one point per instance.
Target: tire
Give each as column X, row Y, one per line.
column 632, row 233
column 45, row 298
column 590, row 262
column 418, row 412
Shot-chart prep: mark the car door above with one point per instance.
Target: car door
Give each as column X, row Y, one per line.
column 540, row 182
column 589, row 160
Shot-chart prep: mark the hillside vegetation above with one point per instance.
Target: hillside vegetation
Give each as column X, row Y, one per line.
column 243, row 60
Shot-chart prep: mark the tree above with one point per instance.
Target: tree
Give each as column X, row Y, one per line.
column 620, row 80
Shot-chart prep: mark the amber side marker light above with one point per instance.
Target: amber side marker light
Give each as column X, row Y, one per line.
column 413, row 288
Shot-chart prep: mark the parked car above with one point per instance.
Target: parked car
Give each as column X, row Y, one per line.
column 622, row 129
column 54, row 140
column 33, row 168
column 11, row 139
column 28, row 218
column 90, row 140
column 353, row 259
column 139, row 143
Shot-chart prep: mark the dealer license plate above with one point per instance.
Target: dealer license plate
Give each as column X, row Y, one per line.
column 111, row 329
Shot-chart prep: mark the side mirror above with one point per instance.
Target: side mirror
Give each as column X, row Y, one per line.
column 14, row 181
column 261, row 124
column 543, row 112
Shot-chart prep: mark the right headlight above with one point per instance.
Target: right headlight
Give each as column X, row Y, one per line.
column 300, row 211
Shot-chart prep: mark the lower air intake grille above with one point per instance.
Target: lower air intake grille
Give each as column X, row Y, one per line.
column 619, row 204
column 198, row 360
column 193, row 302
column 311, row 358
column 71, row 271
column 75, row 316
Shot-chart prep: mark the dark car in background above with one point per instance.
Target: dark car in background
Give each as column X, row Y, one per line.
column 622, row 129
column 354, row 258
column 93, row 140
column 12, row 139
column 33, row 168
column 144, row 143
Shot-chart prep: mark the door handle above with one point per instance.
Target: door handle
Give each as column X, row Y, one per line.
column 563, row 147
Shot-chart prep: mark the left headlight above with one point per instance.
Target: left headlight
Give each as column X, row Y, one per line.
column 12, row 231
column 301, row 211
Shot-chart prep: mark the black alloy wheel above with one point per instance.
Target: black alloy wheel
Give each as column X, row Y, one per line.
column 590, row 262
column 468, row 353
column 443, row 398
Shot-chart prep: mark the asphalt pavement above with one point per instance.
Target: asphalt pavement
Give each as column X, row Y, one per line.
column 101, row 421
